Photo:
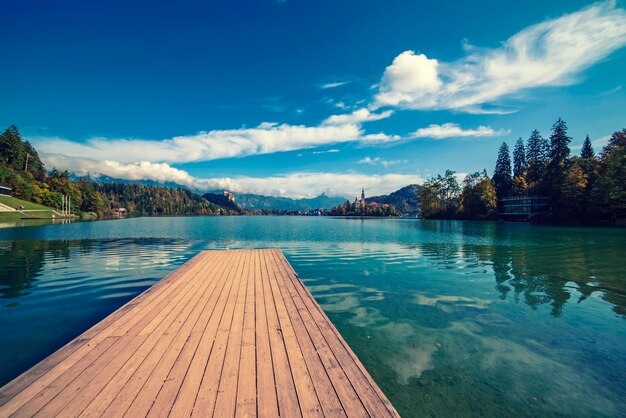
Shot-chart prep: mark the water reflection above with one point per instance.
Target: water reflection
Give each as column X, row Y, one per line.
column 21, row 263
column 484, row 317
column 531, row 269
column 51, row 291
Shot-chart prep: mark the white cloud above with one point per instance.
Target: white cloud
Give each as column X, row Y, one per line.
column 369, row 160
column 266, row 138
column 380, row 161
column 551, row 53
column 410, row 76
column 356, row 117
column 143, row 170
column 452, row 130
column 297, row 185
column 380, row 137
column 330, row 151
column 334, row 84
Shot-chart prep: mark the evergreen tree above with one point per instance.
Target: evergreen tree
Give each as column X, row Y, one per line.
column 587, row 150
column 536, row 150
column 35, row 165
column 559, row 152
column 589, row 165
column 609, row 191
column 502, row 178
column 12, row 148
column 478, row 198
column 617, row 140
column 519, row 159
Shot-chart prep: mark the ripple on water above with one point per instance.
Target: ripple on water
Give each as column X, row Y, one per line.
column 482, row 317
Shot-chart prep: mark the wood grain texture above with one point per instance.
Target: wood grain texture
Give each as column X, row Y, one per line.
column 230, row 333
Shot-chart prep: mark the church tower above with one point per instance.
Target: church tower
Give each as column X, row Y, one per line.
column 363, row 194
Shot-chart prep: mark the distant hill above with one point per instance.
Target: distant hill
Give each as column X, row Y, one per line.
column 242, row 200
column 406, row 199
column 260, row 202
column 221, row 200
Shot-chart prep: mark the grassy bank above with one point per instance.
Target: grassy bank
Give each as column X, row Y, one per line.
column 30, row 210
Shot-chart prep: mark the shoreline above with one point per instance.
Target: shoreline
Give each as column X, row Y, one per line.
column 31, row 222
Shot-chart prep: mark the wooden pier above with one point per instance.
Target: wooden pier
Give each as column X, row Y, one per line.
column 230, row 333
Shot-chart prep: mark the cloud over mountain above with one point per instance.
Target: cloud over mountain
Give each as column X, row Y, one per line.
column 296, row 185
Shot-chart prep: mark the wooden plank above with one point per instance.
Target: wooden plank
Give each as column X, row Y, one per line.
column 321, row 365
column 184, row 402
column 64, row 373
column 24, row 387
column 207, row 393
column 305, row 388
column 143, row 362
column 179, row 355
column 230, row 333
column 26, row 379
column 370, row 394
column 89, row 381
column 138, row 408
column 267, row 401
column 288, row 405
column 227, row 389
column 246, row 398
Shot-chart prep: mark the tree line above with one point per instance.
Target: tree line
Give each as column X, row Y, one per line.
column 22, row 169
column 363, row 209
column 581, row 187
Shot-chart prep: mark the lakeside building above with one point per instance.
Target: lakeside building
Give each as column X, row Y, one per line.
column 525, row 208
column 363, row 202
column 119, row 212
column 6, row 191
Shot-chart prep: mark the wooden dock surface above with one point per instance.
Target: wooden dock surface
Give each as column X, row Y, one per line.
column 230, row 333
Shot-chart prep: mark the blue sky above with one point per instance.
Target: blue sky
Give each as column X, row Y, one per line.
column 301, row 97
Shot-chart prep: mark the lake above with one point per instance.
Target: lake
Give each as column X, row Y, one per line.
column 450, row 318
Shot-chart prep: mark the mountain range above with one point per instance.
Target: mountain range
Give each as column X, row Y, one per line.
column 406, row 199
column 261, row 202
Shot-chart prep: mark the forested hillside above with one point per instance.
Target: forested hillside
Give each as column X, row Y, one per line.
column 260, row 202
column 22, row 170
column 405, row 200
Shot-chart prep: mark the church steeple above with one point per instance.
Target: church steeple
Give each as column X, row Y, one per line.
column 363, row 193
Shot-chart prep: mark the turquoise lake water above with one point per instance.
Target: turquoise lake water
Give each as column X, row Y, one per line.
column 450, row 318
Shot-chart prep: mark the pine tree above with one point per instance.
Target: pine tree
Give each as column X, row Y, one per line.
column 35, row 165
column 587, row 150
column 557, row 165
column 502, row 178
column 559, row 142
column 609, row 192
column 519, row 159
column 536, row 150
column 12, row 148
